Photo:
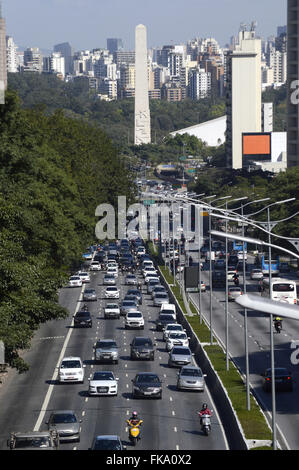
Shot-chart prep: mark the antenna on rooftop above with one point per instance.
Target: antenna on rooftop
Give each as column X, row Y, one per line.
column 243, row 27
column 253, row 26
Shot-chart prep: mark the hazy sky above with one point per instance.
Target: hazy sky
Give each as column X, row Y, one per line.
column 87, row 23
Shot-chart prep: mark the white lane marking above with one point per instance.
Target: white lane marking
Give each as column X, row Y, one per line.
column 55, row 374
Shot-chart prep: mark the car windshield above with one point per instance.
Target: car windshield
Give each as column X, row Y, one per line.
column 184, row 351
column 103, row 376
column 147, row 379
column 60, row 418
column 161, row 296
column 166, row 317
column 32, row 442
column 71, row 364
column 135, row 314
column 109, row 276
column 131, row 276
column 178, row 336
column 142, row 342
column 107, row 444
column 111, row 289
column 235, row 289
column 191, row 372
column 89, row 291
column 106, row 344
column 74, row 278
column 174, row 327
column 83, row 314
column 112, row 306
column 129, row 303
column 83, row 274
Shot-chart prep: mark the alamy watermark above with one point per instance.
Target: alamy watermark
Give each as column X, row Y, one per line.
column 153, row 222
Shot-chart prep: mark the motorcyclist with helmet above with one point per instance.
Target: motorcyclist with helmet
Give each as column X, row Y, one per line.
column 135, row 421
column 204, row 411
column 277, row 324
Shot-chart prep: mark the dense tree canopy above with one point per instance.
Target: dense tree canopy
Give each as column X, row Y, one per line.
column 54, row 171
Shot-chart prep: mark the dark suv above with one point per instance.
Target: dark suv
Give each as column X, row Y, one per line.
column 83, row 318
column 142, row 348
column 218, row 279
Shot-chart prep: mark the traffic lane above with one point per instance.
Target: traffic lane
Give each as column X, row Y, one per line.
column 24, row 393
column 71, row 396
column 150, row 407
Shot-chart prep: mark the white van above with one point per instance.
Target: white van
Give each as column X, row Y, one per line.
column 170, row 309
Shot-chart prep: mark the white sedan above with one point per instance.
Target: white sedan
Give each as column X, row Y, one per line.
column 95, row 266
column 112, row 311
column 177, row 338
column 112, row 292
column 75, row 281
column 84, row 276
column 103, row 383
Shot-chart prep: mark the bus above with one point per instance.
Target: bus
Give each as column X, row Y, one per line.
column 264, row 264
column 282, row 290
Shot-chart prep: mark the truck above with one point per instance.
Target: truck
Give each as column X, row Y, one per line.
column 34, row 440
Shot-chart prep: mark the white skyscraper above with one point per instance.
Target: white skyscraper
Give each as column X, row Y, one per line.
column 244, row 97
column 142, row 111
column 11, row 55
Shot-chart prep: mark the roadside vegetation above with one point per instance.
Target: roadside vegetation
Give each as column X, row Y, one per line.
column 54, row 172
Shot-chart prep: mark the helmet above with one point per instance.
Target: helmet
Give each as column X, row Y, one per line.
column 204, row 406
column 134, row 414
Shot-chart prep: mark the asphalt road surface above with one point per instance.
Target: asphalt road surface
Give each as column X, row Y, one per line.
column 169, row 424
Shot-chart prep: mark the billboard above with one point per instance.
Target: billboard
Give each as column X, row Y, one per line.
column 256, row 147
column 191, row 278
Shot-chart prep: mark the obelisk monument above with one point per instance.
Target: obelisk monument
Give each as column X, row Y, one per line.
column 142, row 111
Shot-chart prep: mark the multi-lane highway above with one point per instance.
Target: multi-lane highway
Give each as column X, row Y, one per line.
column 169, row 424
column 259, row 351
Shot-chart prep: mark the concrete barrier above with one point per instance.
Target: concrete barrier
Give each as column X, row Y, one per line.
column 233, row 430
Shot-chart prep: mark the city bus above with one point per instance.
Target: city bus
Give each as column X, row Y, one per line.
column 282, row 290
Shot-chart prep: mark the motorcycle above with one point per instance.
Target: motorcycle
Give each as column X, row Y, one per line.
column 278, row 326
column 236, row 281
column 134, row 431
column 206, row 424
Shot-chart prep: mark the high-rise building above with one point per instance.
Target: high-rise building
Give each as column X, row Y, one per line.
column 67, row 52
column 11, row 55
column 33, row 60
column 3, row 67
column 243, row 94
column 114, row 45
column 142, row 111
column 55, row 64
column 199, row 84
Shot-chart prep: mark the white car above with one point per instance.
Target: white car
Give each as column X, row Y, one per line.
column 103, row 383
column 149, row 271
column 84, row 276
column 113, row 270
column 95, row 266
column 256, row 275
column 172, row 328
column 151, row 276
column 109, row 280
column 112, row 264
column 112, row 292
column 177, row 338
column 71, row 369
column 112, row 311
column 75, row 281
column 134, row 319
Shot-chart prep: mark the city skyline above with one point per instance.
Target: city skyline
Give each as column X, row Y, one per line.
column 35, row 23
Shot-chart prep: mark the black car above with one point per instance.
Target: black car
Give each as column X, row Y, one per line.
column 83, row 319
column 142, row 348
column 147, row 385
column 135, row 293
column 284, row 267
column 163, row 320
column 283, row 379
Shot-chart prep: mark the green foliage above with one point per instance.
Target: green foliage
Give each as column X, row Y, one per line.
column 54, row 171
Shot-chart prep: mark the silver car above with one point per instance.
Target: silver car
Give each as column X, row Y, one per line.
column 127, row 306
column 66, row 423
column 256, row 275
column 89, row 294
column 191, row 378
column 179, row 356
column 106, row 350
column 161, row 299
column 109, row 280
column 234, row 292
column 131, row 280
